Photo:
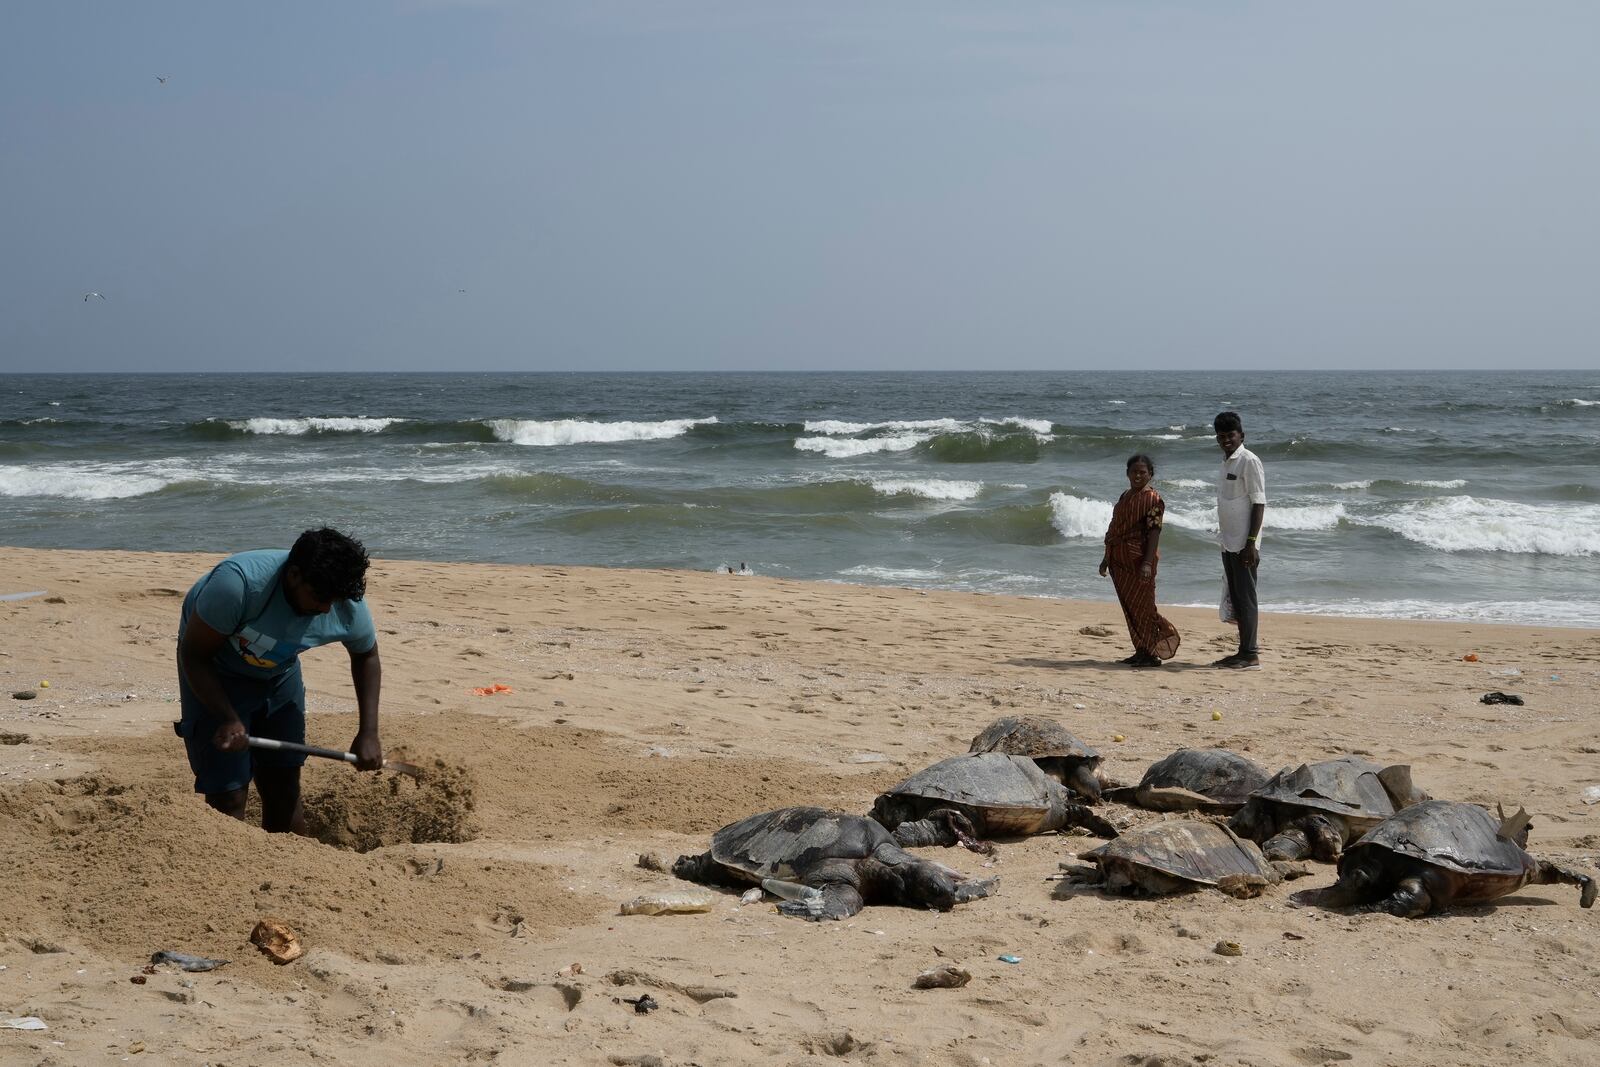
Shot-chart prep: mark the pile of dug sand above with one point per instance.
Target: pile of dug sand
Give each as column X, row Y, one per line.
column 361, row 812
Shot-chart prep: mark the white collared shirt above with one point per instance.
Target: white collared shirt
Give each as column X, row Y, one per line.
column 1241, row 482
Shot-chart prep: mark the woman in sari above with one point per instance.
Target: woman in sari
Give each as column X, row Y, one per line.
column 1131, row 558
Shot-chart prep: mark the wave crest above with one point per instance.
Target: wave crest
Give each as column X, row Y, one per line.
column 547, row 434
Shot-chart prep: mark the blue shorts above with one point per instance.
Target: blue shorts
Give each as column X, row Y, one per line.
column 268, row 707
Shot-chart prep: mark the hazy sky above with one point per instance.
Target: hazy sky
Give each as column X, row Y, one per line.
column 798, row 185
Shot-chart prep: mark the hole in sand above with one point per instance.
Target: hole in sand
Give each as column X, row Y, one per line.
column 361, row 812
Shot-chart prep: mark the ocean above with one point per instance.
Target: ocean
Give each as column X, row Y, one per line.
column 1467, row 496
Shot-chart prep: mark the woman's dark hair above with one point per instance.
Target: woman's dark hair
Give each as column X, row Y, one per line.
column 1227, row 422
column 331, row 563
column 1140, row 457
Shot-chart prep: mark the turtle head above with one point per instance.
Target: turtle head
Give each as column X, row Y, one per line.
column 933, row 885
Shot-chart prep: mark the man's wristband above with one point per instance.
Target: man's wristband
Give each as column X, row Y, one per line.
column 1252, row 537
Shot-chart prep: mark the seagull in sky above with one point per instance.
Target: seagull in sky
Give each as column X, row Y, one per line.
column 162, row 78
column 86, row 296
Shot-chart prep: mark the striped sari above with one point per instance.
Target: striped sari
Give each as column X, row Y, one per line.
column 1139, row 510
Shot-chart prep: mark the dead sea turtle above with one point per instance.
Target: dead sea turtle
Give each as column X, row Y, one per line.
column 1168, row 857
column 985, row 794
column 1441, row 852
column 1194, row 779
column 1317, row 808
column 1058, row 753
column 827, row 863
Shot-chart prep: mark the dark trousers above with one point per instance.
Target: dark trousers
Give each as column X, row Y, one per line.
column 1242, row 591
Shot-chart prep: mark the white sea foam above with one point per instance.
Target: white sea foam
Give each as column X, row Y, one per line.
column 1453, row 483
column 91, row 481
column 1117, row 402
column 928, row 488
column 1203, row 521
column 1577, row 402
column 844, row 448
column 892, row 574
column 1354, row 486
column 1526, row 612
column 1074, row 516
column 1315, row 517
column 297, row 427
column 1188, row 483
column 546, row 434
column 1042, row 428
column 837, row 427
column 1467, row 524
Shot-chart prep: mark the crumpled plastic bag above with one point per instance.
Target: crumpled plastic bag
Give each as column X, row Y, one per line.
column 1225, row 607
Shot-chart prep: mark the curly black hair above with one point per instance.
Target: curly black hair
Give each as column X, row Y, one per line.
column 332, row 563
column 1140, row 457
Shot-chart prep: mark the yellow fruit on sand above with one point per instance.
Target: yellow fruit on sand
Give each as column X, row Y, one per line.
column 1118, row 737
column 1216, row 716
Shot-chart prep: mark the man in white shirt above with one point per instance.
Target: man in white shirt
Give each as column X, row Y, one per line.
column 1241, row 505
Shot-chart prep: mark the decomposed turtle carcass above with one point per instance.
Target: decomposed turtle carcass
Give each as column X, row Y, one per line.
column 980, row 795
column 828, row 864
column 1317, row 808
column 1058, row 753
column 1176, row 855
column 1438, row 853
column 1212, row 780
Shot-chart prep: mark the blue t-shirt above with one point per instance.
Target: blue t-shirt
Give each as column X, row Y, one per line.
column 243, row 597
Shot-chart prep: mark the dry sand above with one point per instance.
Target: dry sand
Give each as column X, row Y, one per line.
column 648, row 709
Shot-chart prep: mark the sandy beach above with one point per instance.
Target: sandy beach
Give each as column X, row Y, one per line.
column 648, row 708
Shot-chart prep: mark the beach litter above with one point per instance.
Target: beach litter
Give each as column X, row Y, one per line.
column 675, row 903
column 1216, row 716
column 946, row 977
column 491, row 690
column 277, row 941
column 1009, row 958
column 23, row 596
column 185, row 962
column 1470, row 657
column 752, row 896
column 1591, row 795
column 1498, row 697
column 1228, row 948
column 25, row 1022
column 643, row 1004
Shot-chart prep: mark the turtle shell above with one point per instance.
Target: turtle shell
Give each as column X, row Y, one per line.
column 1446, row 833
column 983, row 780
column 1347, row 786
column 1225, row 777
column 1191, row 849
column 1033, row 736
column 789, row 842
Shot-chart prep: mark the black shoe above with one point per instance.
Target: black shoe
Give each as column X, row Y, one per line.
column 1243, row 663
column 1145, row 659
column 1226, row 661
column 1131, row 659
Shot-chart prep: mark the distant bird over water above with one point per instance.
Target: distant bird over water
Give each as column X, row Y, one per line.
column 86, row 296
column 162, row 78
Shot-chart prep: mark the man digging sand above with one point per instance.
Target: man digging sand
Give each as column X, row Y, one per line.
column 242, row 630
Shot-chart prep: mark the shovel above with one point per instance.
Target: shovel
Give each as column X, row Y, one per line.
column 398, row 766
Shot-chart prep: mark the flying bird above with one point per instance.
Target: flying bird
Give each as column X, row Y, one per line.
column 162, row 78
column 86, row 296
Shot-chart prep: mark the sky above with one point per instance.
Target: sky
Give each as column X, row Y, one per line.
column 741, row 185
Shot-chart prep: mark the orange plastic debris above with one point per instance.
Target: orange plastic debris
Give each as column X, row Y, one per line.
column 1470, row 657
column 491, row 690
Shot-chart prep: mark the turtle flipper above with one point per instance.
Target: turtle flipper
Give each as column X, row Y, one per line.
column 942, row 826
column 1080, row 815
column 1548, row 873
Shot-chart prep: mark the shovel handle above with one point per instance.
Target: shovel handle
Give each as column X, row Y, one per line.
column 309, row 750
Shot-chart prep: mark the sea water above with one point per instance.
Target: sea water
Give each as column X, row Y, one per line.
column 1467, row 496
